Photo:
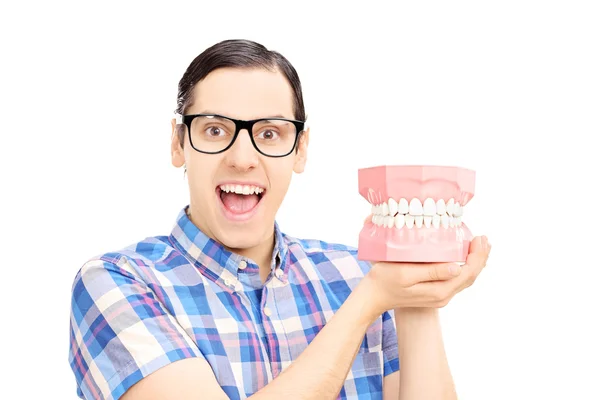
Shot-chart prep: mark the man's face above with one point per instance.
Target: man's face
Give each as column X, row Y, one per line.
column 240, row 94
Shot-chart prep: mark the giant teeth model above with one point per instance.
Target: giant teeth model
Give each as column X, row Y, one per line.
column 416, row 213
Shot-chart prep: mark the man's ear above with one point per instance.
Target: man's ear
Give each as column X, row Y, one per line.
column 302, row 153
column 177, row 156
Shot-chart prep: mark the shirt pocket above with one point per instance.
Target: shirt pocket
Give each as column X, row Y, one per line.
column 365, row 378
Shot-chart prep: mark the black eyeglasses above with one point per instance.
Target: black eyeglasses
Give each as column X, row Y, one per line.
column 213, row 133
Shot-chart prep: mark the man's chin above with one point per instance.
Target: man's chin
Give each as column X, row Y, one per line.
column 240, row 239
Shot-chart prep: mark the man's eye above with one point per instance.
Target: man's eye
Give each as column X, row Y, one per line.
column 268, row 134
column 214, row 131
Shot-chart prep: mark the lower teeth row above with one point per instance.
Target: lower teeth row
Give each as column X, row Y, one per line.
column 410, row 221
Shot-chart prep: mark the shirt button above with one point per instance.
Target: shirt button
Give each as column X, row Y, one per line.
column 228, row 282
column 267, row 311
column 243, row 264
column 279, row 273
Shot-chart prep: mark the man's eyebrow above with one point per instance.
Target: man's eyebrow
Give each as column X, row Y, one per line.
column 224, row 114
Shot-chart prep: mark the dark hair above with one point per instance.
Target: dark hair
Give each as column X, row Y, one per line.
column 241, row 54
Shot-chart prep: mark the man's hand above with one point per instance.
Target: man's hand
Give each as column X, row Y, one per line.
column 401, row 285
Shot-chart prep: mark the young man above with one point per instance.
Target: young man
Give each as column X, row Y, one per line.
column 228, row 306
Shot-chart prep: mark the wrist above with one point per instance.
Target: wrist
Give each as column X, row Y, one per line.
column 408, row 319
column 367, row 294
column 417, row 312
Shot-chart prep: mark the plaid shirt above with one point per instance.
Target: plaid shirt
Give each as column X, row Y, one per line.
column 166, row 298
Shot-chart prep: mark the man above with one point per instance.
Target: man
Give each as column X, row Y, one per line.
column 228, row 306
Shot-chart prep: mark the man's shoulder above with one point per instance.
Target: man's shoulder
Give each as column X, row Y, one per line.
column 149, row 253
column 325, row 254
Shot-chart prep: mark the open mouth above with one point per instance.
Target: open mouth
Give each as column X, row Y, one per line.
column 240, row 201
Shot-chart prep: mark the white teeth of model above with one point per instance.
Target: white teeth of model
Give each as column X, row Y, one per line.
column 374, row 219
column 458, row 222
column 392, row 206
column 389, row 221
column 409, row 220
column 415, row 208
column 384, row 209
column 436, row 221
column 419, row 221
column 440, row 207
column 399, row 221
column 429, row 207
column 403, row 206
column 450, row 207
column 427, row 219
column 451, row 222
column 444, row 221
column 373, row 209
column 378, row 220
column 458, row 210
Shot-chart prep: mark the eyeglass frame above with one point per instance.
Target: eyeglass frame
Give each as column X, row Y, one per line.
column 301, row 126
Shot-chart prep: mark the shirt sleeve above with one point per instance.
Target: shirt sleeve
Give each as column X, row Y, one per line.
column 120, row 331
column 390, row 344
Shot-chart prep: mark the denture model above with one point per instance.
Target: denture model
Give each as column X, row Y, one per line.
column 416, row 213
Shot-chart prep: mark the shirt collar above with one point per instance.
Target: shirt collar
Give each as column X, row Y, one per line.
column 212, row 256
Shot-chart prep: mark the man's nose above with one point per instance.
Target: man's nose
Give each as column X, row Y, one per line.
column 242, row 154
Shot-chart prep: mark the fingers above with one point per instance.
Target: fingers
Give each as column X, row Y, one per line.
column 442, row 292
column 412, row 274
column 479, row 251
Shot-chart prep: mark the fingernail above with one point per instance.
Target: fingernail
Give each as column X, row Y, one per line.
column 454, row 269
column 480, row 240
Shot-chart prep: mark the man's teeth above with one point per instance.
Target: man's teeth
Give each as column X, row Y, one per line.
column 242, row 189
column 411, row 214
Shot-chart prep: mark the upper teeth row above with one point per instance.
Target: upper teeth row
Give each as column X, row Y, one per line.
column 429, row 207
column 242, row 189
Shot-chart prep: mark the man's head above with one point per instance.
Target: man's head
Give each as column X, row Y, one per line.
column 241, row 80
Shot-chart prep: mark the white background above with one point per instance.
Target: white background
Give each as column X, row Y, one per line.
column 510, row 89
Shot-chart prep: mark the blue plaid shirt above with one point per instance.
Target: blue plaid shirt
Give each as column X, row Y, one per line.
column 167, row 298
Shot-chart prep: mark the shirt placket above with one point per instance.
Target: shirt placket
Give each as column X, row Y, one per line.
column 276, row 337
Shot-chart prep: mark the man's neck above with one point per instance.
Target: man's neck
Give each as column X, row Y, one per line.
column 260, row 254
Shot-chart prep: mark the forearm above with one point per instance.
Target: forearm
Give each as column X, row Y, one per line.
column 320, row 371
column 424, row 371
